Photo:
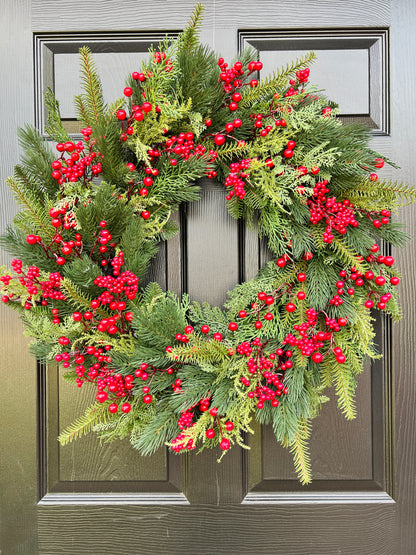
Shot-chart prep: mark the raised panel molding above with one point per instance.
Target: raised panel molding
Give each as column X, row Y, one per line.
column 56, row 53
column 354, row 66
column 65, row 477
column 371, row 481
column 125, row 498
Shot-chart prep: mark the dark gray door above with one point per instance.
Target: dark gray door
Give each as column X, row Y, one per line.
column 87, row 498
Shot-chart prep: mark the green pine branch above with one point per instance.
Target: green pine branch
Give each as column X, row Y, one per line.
column 93, row 102
column 95, row 414
column 300, row 452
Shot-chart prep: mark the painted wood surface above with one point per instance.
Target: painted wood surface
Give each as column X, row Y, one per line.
column 361, row 504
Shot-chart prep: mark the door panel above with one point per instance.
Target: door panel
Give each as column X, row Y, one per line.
column 95, row 498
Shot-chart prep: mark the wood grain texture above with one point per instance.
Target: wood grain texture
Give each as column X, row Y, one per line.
column 403, row 47
column 88, row 460
column 340, row 449
column 349, row 530
column 228, row 14
column 211, row 246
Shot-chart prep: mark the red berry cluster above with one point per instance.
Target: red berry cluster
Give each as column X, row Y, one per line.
column 235, row 178
column 124, row 284
column 181, row 442
column 185, row 419
column 337, row 215
column 184, row 146
column 62, row 217
column 148, row 370
column 232, row 78
column 117, row 386
column 137, row 112
column 218, row 423
column 368, row 280
column 79, row 164
column 265, row 303
column 58, row 248
column 258, row 125
column 311, row 339
column 301, row 78
column 265, row 371
column 160, row 57
column 30, row 280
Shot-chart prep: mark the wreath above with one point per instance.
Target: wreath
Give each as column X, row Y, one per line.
column 96, row 210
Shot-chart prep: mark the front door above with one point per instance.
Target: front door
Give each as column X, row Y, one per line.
column 89, row 498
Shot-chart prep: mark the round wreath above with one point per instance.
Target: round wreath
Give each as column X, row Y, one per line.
column 95, row 211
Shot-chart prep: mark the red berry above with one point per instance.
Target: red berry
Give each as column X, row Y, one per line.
column 301, row 295
column 242, row 314
column 31, row 239
column 205, row 329
column 301, row 277
column 126, row 407
column 147, row 399
column 101, row 397
column 378, row 163
column 113, row 407
column 317, row 357
column 128, row 91
column 288, row 153
column 121, row 114
column 394, row 280
column 145, row 215
column 232, row 326
column 388, row 260
column 77, row 316
column 229, row 426
column 210, row 433
column 225, row 444
column 219, row 140
column 290, row 307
